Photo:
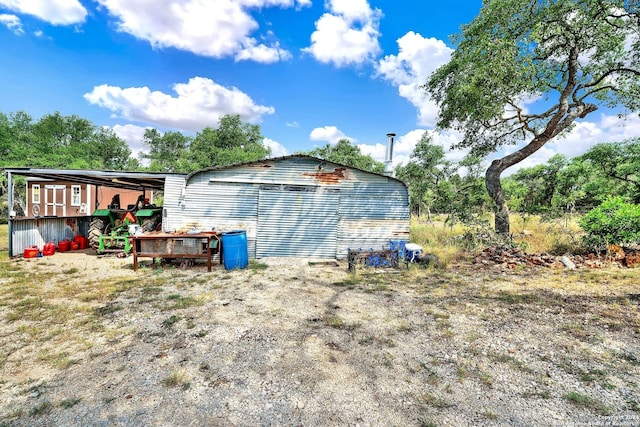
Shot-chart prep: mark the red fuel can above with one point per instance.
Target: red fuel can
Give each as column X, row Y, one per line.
column 64, row 245
column 31, row 252
column 49, row 249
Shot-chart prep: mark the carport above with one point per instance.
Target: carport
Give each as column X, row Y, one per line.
column 26, row 231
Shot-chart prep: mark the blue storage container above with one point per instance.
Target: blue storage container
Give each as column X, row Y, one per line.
column 398, row 245
column 235, row 253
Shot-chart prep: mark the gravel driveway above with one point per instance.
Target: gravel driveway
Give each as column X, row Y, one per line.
column 286, row 343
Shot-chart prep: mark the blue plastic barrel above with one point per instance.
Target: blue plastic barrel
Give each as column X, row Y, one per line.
column 234, row 249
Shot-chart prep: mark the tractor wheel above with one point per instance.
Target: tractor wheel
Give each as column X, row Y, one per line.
column 153, row 223
column 96, row 229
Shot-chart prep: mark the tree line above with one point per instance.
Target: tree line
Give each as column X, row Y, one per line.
column 558, row 187
column 56, row 141
column 436, row 185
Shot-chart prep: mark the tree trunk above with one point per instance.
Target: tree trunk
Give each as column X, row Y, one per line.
column 494, row 188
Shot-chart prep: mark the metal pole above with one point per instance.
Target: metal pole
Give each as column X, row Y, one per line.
column 10, row 203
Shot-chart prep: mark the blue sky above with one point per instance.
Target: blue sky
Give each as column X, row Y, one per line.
column 309, row 72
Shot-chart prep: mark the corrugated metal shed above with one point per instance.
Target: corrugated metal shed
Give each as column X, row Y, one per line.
column 295, row 205
column 25, row 232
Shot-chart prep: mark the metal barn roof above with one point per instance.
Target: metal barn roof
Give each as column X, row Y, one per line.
column 116, row 179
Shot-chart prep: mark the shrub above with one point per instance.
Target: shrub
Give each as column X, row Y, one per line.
column 613, row 222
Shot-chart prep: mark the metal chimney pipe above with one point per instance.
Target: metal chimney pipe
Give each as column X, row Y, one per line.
column 388, row 170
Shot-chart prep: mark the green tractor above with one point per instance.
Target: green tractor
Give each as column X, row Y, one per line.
column 109, row 228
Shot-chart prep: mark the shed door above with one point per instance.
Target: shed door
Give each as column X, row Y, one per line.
column 55, row 197
column 297, row 222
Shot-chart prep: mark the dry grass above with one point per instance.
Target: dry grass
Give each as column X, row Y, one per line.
column 533, row 233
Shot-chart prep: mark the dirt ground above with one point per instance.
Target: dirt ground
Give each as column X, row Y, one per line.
column 86, row 341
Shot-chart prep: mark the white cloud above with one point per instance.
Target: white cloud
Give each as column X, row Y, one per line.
column 132, row 135
column 302, row 3
column 293, row 124
column 277, row 149
column 417, row 58
column 56, row 12
column 221, row 28
column 199, row 103
column 12, row 22
column 353, row 10
column 261, row 53
column 330, row 134
column 347, row 34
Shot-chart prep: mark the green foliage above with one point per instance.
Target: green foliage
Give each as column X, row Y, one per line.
column 57, row 141
column 232, row 142
column 349, row 155
column 619, row 161
column 436, row 184
column 613, row 222
column 516, row 49
column 166, row 151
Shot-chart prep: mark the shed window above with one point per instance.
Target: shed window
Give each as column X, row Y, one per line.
column 75, row 195
column 35, row 194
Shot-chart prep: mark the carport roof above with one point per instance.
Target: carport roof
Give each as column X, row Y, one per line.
column 116, row 179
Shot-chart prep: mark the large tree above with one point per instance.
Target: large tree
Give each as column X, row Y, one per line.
column 619, row 161
column 344, row 153
column 569, row 56
column 167, row 151
column 426, row 174
column 232, row 142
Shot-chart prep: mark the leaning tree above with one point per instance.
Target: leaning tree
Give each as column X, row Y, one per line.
column 524, row 71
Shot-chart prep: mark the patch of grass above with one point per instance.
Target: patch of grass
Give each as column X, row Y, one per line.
column 366, row 340
column 588, row 402
column 170, row 321
column 423, row 421
column 404, row 326
column 32, row 308
column 380, row 287
column 109, row 308
column 486, row 379
column 42, row 408
column 461, row 373
column 513, row 362
column 179, row 302
column 72, row 270
column 350, row 282
column 489, row 414
column 337, row 322
column 257, row 266
column 177, row 378
column 334, row 322
column 434, row 401
column 593, row 375
column 517, row 298
column 57, row 360
column 68, row 403
column 151, row 289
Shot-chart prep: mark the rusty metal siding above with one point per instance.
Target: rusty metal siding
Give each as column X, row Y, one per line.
column 31, row 231
column 297, row 222
column 290, row 171
column 340, row 207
